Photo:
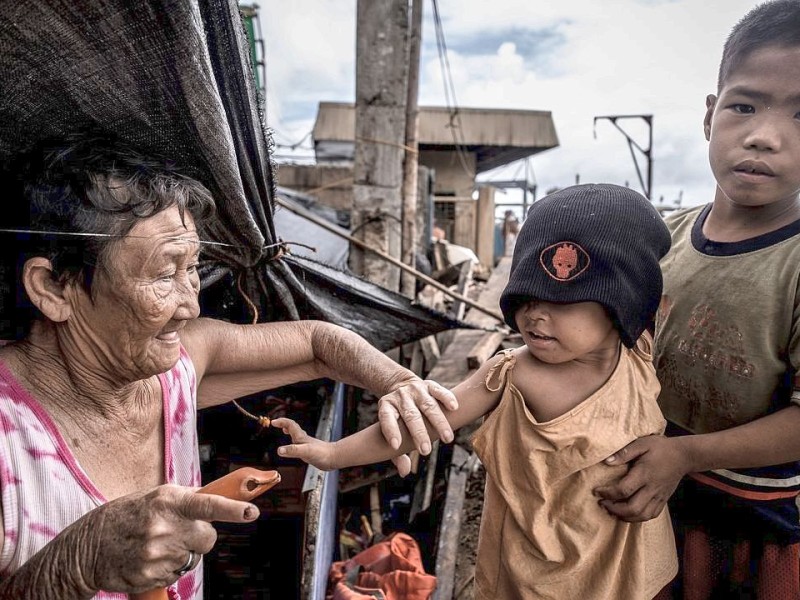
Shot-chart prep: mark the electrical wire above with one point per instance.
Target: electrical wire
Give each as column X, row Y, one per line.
column 455, row 125
column 293, row 145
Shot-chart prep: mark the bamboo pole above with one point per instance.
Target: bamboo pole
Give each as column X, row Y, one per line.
column 408, row 237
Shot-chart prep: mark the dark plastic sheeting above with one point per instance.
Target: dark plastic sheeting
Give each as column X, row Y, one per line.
column 174, row 78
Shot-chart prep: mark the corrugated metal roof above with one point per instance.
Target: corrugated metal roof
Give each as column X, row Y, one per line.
column 497, row 136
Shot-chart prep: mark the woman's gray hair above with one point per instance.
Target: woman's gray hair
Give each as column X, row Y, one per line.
column 73, row 199
column 97, row 188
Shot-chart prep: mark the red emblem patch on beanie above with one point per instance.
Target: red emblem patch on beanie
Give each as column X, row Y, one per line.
column 564, row 261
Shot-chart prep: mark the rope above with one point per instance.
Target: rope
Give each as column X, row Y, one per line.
column 260, row 419
column 408, row 149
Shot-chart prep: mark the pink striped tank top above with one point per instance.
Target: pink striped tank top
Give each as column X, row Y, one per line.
column 43, row 489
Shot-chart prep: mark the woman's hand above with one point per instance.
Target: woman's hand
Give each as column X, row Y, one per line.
column 306, row 448
column 412, row 400
column 138, row 542
column 657, row 464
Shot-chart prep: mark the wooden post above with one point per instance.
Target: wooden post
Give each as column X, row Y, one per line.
column 447, row 549
column 485, row 227
column 381, row 93
column 424, row 208
column 408, row 243
column 375, row 516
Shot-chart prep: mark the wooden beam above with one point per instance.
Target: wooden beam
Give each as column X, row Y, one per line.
column 485, row 226
column 484, row 349
column 451, row 368
column 464, row 278
column 408, row 243
column 375, row 516
column 430, row 350
column 371, row 477
column 449, row 534
column 423, row 490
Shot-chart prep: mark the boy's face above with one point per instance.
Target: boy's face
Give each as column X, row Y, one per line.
column 754, row 130
column 557, row 333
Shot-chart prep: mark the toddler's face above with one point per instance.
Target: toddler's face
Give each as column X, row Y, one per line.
column 557, row 333
column 754, row 130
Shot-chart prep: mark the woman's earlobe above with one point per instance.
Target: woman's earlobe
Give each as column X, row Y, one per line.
column 45, row 291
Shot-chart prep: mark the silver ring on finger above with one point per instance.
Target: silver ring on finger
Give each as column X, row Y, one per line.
column 190, row 564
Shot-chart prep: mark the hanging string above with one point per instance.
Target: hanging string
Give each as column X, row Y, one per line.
column 250, row 303
column 282, row 245
column 262, row 420
column 283, row 249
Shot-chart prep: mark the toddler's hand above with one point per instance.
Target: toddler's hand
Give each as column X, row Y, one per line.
column 305, row 447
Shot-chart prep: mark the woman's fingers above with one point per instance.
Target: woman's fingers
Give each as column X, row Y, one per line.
column 388, row 417
column 414, row 402
column 210, row 507
column 431, row 408
column 445, row 397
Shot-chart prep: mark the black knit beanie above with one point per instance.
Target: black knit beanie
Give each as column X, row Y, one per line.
column 593, row 242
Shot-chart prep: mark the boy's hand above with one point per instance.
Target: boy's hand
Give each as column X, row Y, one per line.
column 657, row 464
column 309, row 449
column 412, row 401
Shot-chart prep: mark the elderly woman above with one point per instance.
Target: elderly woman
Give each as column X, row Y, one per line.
column 99, row 458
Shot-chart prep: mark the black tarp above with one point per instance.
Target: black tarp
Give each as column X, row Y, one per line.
column 173, row 77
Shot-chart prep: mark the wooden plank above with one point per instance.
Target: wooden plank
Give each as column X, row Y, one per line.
column 484, row 349
column 447, row 548
column 371, row 477
column 464, row 225
column 451, row 368
column 464, row 277
column 423, row 489
column 490, row 295
column 417, row 359
column 430, row 349
column 484, row 226
column 375, row 516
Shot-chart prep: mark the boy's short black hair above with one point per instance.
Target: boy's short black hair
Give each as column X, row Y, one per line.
column 775, row 23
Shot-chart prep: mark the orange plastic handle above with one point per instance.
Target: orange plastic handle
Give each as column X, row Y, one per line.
column 243, row 484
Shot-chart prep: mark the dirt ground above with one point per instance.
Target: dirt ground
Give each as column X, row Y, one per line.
column 470, row 524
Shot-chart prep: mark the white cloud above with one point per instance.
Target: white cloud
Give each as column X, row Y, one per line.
column 576, row 58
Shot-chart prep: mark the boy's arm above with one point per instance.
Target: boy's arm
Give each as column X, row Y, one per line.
column 659, row 463
column 369, row 446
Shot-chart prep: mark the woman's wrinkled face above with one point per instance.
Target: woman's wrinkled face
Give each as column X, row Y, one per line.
column 142, row 295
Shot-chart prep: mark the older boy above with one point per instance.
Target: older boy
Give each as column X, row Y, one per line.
column 727, row 344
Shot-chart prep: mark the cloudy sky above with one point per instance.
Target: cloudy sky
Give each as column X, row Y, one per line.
column 576, row 58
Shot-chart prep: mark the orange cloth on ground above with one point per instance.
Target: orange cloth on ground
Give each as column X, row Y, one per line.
column 543, row 534
column 391, row 569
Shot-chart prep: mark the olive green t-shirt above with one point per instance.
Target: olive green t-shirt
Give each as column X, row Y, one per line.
column 727, row 342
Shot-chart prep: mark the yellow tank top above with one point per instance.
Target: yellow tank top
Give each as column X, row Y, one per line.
column 543, row 534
